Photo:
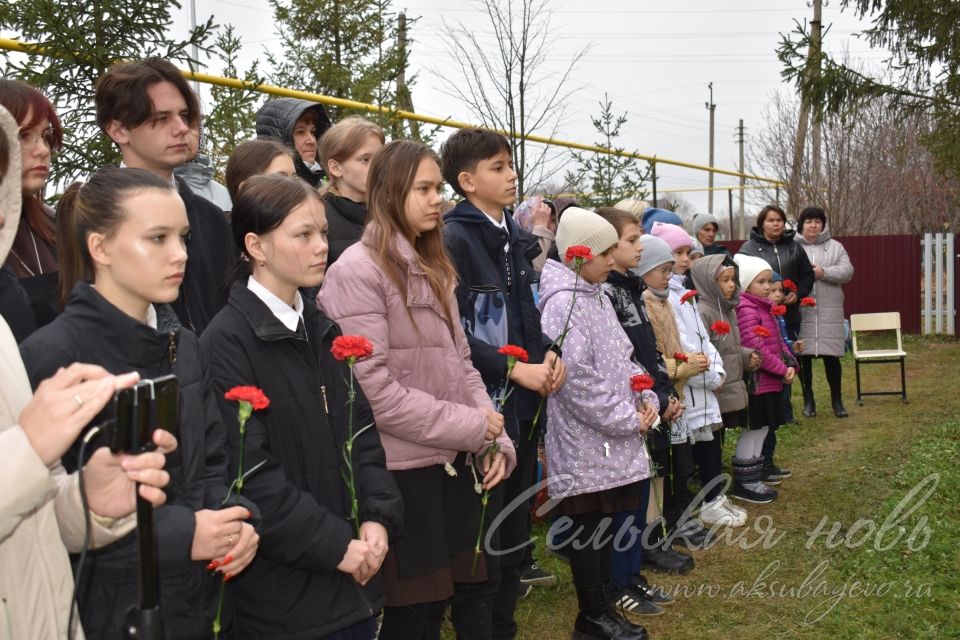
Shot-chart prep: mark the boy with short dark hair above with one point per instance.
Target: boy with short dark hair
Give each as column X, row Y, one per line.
column 497, row 297
column 148, row 110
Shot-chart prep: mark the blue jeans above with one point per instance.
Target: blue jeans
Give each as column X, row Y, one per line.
column 625, row 558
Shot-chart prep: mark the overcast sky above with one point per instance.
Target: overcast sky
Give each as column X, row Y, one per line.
column 653, row 59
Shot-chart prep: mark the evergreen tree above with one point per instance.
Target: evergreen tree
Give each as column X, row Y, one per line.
column 231, row 119
column 80, row 41
column 342, row 48
column 922, row 38
column 606, row 178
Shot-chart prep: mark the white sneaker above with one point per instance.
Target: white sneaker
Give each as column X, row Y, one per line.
column 713, row 513
column 729, row 506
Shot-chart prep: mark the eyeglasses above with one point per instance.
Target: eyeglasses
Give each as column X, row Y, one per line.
column 29, row 140
column 666, row 272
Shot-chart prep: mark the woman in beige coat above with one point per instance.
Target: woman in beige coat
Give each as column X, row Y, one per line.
column 821, row 328
column 41, row 516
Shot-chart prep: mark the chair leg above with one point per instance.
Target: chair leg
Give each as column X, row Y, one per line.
column 903, row 380
column 859, row 396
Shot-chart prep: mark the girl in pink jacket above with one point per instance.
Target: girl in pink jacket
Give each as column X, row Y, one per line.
column 435, row 419
column 759, row 331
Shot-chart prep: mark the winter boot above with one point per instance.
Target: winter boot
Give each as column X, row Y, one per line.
column 746, row 482
column 809, row 404
column 833, row 379
column 806, row 383
column 599, row 620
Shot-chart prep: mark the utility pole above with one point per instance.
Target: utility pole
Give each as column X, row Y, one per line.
column 711, row 108
column 817, row 35
column 404, row 99
column 740, row 139
column 813, row 53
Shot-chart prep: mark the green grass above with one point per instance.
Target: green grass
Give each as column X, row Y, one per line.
column 848, row 471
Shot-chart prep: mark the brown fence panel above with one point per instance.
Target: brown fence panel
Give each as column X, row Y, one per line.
column 887, row 276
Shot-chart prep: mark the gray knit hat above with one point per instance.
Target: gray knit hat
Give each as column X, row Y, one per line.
column 655, row 253
column 703, row 219
column 581, row 227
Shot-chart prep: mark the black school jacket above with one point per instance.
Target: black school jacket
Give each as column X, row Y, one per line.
column 292, row 589
column 92, row 330
column 625, row 291
column 490, row 282
column 211, row 256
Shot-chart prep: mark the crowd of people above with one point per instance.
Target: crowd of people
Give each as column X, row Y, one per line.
column 427, row 367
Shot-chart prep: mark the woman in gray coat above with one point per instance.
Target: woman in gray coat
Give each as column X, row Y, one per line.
column 821, row 328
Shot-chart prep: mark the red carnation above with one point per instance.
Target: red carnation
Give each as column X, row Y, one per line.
column 578, row 251
column 689, row 295
column 351, row 348
column 254, row 396
column 513, row 351
column 790, row 285
column 779, row 310
column 762, row 332
column 808, row 302
column 641, row 382
column 720, row 328
column 680, row 357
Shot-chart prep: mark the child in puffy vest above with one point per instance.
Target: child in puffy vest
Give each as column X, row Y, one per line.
column 759, row 331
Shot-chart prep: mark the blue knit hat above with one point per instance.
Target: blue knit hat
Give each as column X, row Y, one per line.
column 659, row 215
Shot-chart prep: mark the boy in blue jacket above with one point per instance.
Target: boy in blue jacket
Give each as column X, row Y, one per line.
column 497, row 298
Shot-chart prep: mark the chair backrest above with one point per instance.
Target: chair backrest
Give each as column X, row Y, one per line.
column 887, row 321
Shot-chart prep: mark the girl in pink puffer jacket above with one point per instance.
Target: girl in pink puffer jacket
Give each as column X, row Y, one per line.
column 759, row 331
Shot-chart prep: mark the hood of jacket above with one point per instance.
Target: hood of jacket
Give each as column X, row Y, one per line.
column 704, row 273
column 277, row 118
column 823, row 236
column 756, row 234
column 10, row 193
column 556, row 278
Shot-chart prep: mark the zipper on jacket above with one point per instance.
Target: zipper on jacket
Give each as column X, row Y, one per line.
column 323, row 394
column 6, row 617
column 172, row 348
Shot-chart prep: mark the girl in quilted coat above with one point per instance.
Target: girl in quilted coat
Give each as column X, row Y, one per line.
column 759, row 331
column 594, row 438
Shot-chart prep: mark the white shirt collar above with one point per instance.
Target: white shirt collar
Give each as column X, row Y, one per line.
column 502, row 224
column 151, row 319
column 289, row 316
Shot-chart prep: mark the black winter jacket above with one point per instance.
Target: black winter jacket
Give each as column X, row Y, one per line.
column 276, row 119
column 787, row 258
column 625, row 291
column 211, row 256
column 92, row 330
column 487, row 276
column 292, row 589
column 15, row 305
column 345, row 220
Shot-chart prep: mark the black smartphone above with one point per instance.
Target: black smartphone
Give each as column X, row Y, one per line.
column 140, row 410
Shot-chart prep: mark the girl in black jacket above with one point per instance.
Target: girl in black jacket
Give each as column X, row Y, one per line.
column 121, row 239
column 312, row 579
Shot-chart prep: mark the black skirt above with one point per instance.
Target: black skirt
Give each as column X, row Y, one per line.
column 436, row 548
column 766, row 410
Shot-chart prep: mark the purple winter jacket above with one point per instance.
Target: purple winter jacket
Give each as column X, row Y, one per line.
column 593, row 436
column 752, row 312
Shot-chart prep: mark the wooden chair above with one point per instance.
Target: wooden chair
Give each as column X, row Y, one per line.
column 863, row 322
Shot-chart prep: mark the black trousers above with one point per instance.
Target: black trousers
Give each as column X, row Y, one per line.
column 708, row 458
column 413, row 622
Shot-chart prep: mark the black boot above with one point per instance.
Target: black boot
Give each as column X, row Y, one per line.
column 832, row 367
column 747, row 485
column 599, row 620
column 809, row 404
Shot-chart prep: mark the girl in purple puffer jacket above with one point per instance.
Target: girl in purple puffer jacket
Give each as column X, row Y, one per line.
column 595, row 421
column 759, row 331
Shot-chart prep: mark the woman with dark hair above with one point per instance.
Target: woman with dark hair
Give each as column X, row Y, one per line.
column 316, row 574
column 774, row 243
column 822, row 329
column 122, row 241
column 33, row 256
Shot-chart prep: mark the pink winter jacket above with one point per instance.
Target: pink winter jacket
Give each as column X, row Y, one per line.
column 427, row 398
column 752, row 312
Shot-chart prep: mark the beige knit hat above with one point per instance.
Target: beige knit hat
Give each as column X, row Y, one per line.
column 581, row 227
column 10, row 184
